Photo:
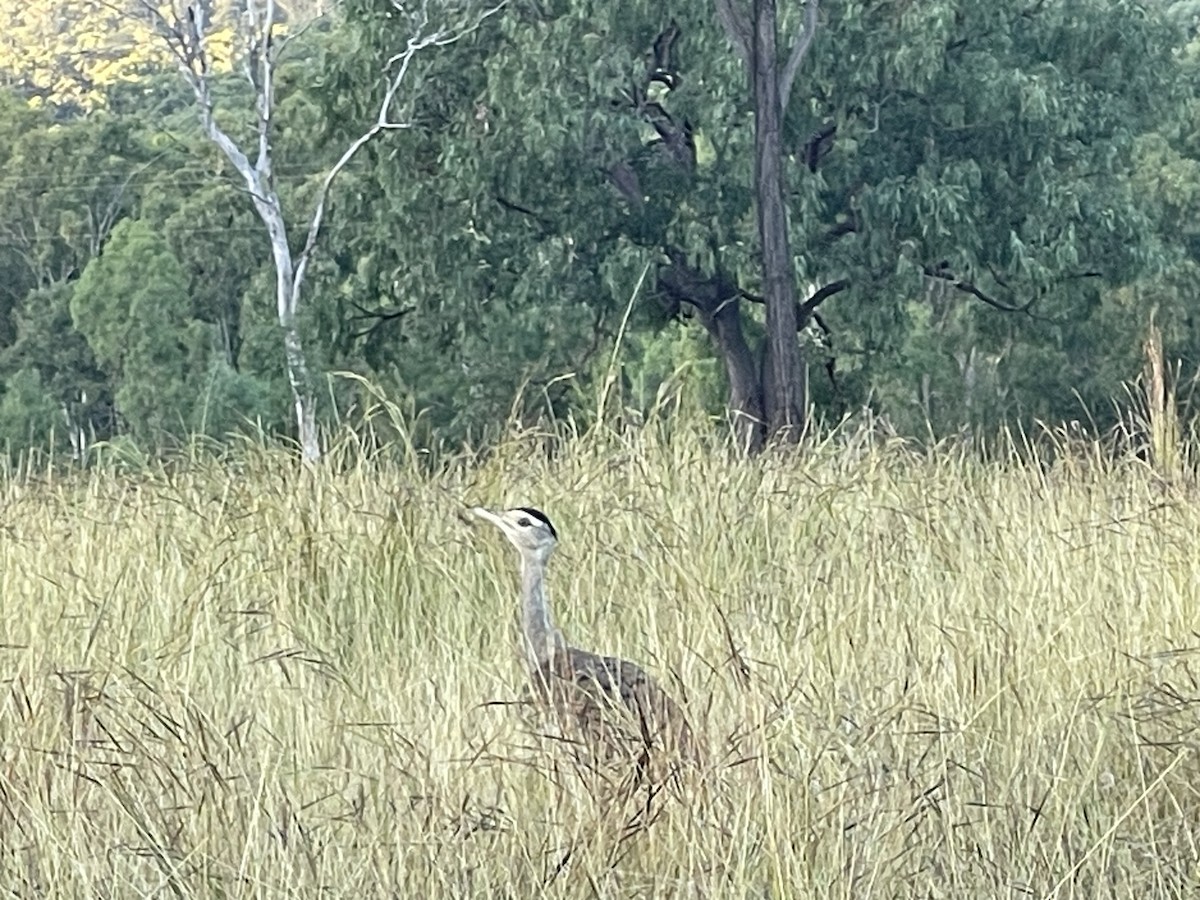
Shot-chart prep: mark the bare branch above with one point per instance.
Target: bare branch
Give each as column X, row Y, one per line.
column 192, row 41
column 171, row 32
column 186, row 42
column 799, row 50
column 968, row 287
column 260, row 70
column 808, row 308
column 513, row 206
column 383, row 122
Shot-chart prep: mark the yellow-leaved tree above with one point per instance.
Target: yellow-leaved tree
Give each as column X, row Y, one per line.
column 67, row 54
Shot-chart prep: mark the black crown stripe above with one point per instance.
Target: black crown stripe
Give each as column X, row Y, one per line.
column 541, row 516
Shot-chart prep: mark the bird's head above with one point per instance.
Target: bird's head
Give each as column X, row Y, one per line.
column 529, row 530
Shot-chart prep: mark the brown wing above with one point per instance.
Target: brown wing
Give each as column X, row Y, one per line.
column 592, row 687
column 614, row 677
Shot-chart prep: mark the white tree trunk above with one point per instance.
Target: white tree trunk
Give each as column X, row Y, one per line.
column 302, row 392
column 288, row 281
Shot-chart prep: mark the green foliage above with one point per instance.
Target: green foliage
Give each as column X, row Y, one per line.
column 494, row 295
column 17, row 277
column 968, row 144
column 69, row 183
column 232, row 402
column 1042, row 157
column 131, row 304
column 48, row 346
column 27, row 413
column 672, row 365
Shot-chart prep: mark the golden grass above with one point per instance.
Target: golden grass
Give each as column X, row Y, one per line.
column 917, row 675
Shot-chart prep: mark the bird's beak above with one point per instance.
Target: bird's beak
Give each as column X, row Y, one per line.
column 486, row 515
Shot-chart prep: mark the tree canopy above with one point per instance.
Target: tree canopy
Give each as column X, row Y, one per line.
column 984, row 205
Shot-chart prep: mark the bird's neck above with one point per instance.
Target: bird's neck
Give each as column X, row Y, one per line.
column 542, row 639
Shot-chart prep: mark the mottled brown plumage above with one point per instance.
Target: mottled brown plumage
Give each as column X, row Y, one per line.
column 605, row 702
column 613, row 700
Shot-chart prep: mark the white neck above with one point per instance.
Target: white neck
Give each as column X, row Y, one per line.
column 542, row 639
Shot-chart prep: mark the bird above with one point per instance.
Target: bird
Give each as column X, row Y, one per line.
column 609, row 700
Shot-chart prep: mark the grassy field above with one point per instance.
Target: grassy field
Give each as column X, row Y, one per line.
column 917, row 675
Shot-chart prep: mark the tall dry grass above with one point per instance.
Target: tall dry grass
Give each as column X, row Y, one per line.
column 917, row 675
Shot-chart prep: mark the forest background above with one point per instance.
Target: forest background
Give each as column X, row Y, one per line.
column 987, row 207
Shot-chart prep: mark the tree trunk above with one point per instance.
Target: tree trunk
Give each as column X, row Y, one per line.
column 287, row 295
column 302, row 393
column 745, row 390
column 783, row 381
column 718, row 307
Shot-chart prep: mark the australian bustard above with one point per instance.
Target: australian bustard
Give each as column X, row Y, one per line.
column 608, row 699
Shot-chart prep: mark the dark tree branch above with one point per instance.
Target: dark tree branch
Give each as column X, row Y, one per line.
column 1000, row 279
column 377, row 318
column 662, row 64
column 684, row 283
column 715, row 299
column 513, row 206
column 818, row 146
column 967, row 287
column 677, row 138
column 383, row 314
column 799, row 51
column 808, row 308
column 628, row 185
column 849, row 225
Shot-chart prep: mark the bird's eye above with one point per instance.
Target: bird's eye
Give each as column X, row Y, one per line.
column 523, row 522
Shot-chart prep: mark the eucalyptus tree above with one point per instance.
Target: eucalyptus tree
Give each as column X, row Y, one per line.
column 17, row 276
column 753, row 28
column 949, row 151
column 259, row 42
column 51, row 381
column 65, row 185
column 66, row 56
column 132, row 306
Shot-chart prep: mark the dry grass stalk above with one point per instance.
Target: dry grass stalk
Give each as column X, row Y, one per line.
column 916, row 674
